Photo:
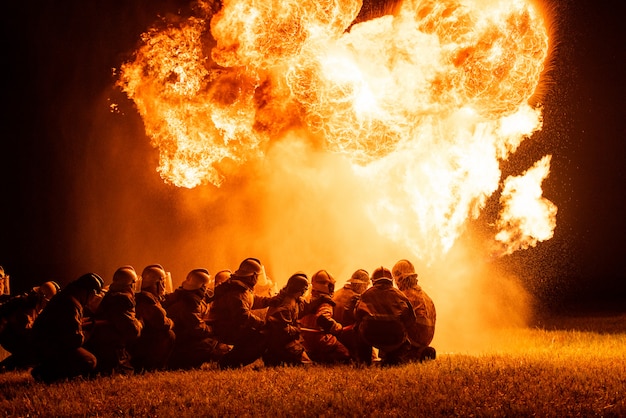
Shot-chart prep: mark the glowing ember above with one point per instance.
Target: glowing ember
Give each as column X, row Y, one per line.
column 424, row 103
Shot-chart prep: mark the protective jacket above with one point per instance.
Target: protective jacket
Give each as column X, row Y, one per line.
column 283, row 331
column 59, row 337
column 323, row 345
column 116, row 321
column 384, row 316
column 345, row 300
column 115, row 329
column 152, row 315
column 155, row 344
column 58, row 328
column 425, row 316
column 282, row 320
column 231, row 311
column 195, row 343
column 187, row 308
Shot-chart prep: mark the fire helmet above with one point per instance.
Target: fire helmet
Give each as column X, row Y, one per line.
column 402, row 269
column 249, row 267
column 89, row 281
column 323, row 282
column 221, row 276
column 360, row 276
column 298, row 283
column 123, row 278
column 152, row 275
column 48, row 289
column 381, row 273
column 250, row 271
column 196, row 279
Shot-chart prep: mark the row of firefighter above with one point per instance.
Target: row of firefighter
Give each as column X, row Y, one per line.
column 140, row 323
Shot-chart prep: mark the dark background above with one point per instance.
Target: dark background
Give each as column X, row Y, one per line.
column 58, row 58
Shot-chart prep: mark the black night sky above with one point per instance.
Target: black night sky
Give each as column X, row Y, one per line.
column 57, row 72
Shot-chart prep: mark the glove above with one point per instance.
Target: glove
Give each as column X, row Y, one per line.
column 324, row 324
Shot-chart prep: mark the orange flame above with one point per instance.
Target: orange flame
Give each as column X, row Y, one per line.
column 526, row 217
column 424, row 104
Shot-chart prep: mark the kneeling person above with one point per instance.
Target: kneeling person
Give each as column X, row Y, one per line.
column 187, row 306
column 116, row 326
column 322, row 331
column 155, row 344
column 58, row 332
column 232, row 317
column 425, row 314
column 283, row 328
column 384, row 317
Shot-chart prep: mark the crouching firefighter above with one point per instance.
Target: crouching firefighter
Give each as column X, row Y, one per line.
column 232, row 319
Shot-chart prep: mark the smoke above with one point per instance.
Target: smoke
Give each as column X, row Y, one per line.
column 298, row 208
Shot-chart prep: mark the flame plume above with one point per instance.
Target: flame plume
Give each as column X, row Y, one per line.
column 424, row 104
column 523, row 221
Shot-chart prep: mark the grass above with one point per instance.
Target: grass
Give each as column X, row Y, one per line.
column 544, row 372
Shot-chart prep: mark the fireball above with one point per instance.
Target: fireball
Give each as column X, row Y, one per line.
column 423, row 103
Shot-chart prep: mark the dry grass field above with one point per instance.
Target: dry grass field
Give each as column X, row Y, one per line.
column 570, row 367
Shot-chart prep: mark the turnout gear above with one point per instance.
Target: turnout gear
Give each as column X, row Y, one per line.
column 282, row 327
column 155, row 344
column 384, row 319
column 116, row 326
column 406, row 279
column 232, row 317
column 347, row 297
column 195, row 343
column 58, row 332
column 323, row 346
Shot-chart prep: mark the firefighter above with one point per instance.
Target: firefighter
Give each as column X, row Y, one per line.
column 16, row 320
column 232, row 317
column 320, row 330
column 422, row 334
column 283, row 329
column 187, row 306
column 384, row 317
column 58, row 332
column 155, row 344
column 345, row 298
column 115, row 325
